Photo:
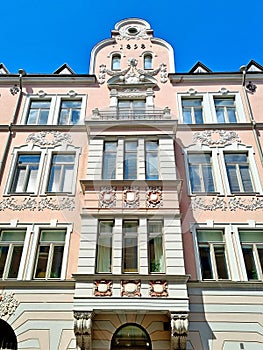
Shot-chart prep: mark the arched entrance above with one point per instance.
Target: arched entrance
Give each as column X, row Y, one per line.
column 8, row 339
column 131, row 336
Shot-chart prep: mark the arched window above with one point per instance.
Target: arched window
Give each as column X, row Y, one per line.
column 116, row 62
column 148, row 61
column 7, row 336
column 130, row 336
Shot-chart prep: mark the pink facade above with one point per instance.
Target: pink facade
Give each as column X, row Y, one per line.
column 131, row 202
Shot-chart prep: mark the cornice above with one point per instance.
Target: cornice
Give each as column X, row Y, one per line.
column 37, row 284
column 226, row 285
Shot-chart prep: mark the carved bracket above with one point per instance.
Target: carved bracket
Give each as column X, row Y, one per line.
column 179, row 330
column 82, row 329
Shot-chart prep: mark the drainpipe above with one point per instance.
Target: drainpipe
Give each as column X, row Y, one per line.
column 243, row 69
column 13, row 121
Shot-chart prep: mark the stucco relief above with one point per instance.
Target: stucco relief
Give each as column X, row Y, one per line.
column 231, row 204
column 8, row 304
column 158, row 289
column 34, row 204
column 131, row 196
column 133, row 32
column 154, row 197
column 107, row 197
column 103, row 288
column 49, row 138
column 214, row 138
column 132, row 74
column 131, row 288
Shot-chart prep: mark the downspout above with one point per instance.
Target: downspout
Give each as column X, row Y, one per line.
column 250, row 113
column 13, row 121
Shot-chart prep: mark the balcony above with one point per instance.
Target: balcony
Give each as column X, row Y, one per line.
column 131, row 114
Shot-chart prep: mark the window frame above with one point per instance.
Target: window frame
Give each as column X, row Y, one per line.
column 108, row 235
column 225, row 107
column 54, row 112
column 114, row 56
column 147, row 55
column 152, row 265
column 133, row 236
column 192, row 109
column 32, row 262
column 104, row 157
column 147, row 156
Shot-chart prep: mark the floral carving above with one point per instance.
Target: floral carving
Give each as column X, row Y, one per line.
column 103, row 288
column 141, row 33
column 154, row 197
column 216, row 137
column 131, row 288
column 107, row 197
column 131, row 197
column 32, row 204
column 8, row 304
column 232, row 204
column 49, row 138
column 158, row 289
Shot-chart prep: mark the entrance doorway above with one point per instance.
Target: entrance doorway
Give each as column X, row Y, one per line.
column 7, row 337
column 131, row 336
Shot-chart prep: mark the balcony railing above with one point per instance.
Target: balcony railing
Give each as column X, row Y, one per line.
column 131, row 114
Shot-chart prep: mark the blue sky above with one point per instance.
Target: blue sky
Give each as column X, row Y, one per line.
column 40, row 36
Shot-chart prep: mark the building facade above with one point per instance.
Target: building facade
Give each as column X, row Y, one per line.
column 131, row 203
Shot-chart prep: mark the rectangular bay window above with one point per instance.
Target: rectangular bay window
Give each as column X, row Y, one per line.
column 50, row 254
column 130, row 246
column 104, row 246
column 212, row 254
column 11, row 247
column 155, row 239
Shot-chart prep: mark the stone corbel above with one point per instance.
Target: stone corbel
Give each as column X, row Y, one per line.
column 82, row 329
column 179, row 330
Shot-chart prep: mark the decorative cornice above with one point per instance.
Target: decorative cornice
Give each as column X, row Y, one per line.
column 32, row 204
column 49, row 138
column 8, row 304
column 213, row 138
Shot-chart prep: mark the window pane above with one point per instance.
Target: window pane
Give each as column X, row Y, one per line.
column 61, row 173
column 109, row 160
column 25, row 177
column 130, row 160
column 130, row 247
column 187, row 116
column 208, row 179
column 69, row 112
column 205, row 260
column 57, row 262
column 104, row 249
column 198, row 116
column 38, row 112
column 147, row 62
column 210, row 236
column 246, row 180
column 52, row 236
column 221, row 262
column 156, row 257
column 116, row 62
column 195, row 178
column 41, row 268
column 152, row 161
column 238, row 172
column 250, row 262
column 231, row 115
column 15, row 261
column 3, row 257
column 220, row 115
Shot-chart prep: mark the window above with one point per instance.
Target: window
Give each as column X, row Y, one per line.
column 156, row 257
column 212, row 254
column 131, row 108
column 116, row 62
column 130, row 160
column 130, row 246
column 38, row 112
column 69, row 113
column 104, row 248
column 151, row 160
column 61, row 173
column 25, row 176
column 252, row 249
column 50, row 254
column 238, row 172
column 200, row 172
column 192, row 110
column 109, row 160
column 11, row 247
column 130, row 336
column 148, row 61
column 225, row 110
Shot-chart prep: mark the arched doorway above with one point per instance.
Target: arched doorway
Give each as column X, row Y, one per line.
column 8, row 339
column 131, row 336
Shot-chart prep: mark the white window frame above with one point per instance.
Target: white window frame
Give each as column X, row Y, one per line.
column 150, row 54
column 26, row 150
column 229, row 250
column 215, row 168
column 35, row 245
column 209, row 112
column 53, row 117
column 238, row 148
column 27, row 228
column 65, row 149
